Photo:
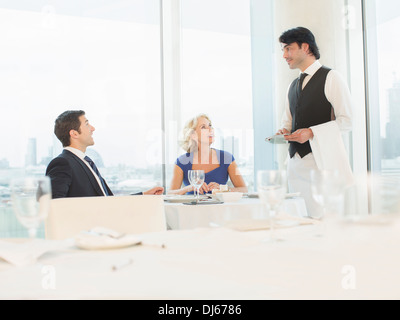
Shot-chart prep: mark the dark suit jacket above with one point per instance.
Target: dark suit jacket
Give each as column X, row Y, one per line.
column 70, row 177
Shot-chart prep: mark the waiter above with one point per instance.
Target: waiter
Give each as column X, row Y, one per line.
column 318, row 99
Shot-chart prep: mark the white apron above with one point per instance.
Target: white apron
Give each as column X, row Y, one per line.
column 328, row 153
column 299, row 180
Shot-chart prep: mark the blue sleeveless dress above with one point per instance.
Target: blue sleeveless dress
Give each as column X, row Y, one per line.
column 219, row 175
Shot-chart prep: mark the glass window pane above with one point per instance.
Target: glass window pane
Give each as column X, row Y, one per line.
column 99, row 56
column 383, row 18
column 216, row 74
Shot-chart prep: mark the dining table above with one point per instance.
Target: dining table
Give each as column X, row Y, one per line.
column 183, row 214
column 304, row 259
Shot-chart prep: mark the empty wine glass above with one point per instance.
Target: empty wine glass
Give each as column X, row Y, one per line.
column 196, row 178
column 272, row 190
column 31, row 201
column 372, row 194
column 327, row 188
column 191, row 183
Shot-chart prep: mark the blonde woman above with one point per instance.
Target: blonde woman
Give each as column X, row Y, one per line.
column 218, row 165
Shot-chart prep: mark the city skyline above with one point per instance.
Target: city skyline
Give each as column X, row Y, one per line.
column 122, row 96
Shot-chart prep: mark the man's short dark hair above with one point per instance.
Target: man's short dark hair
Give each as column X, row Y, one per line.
column 301, row 35
column 65, row 122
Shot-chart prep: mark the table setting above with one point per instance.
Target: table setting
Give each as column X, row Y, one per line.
column 240, row 249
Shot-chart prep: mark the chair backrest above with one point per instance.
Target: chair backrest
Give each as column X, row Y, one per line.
column 127, row 214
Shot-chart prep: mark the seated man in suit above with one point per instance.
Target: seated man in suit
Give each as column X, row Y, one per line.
column 72, row 173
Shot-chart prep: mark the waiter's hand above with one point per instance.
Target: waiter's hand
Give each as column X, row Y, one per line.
column 282, row 131
column 300, row 136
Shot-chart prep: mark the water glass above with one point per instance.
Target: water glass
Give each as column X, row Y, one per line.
column 196, row 179
column 272, row 186
column 30, row 198
column 327, row 188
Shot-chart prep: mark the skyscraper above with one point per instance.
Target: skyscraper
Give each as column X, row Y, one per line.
column 391, row 147
column 30, row 159
column 231, row 144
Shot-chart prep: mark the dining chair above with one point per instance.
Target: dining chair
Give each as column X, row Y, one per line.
column 125, row 214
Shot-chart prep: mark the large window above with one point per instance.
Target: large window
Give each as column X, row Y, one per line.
column 383, row 19
column 139, row 78
column 105, row 57
column 216, row 76
column 99, row 56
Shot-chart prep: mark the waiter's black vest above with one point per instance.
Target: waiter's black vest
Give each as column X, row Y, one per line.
column 310, row 108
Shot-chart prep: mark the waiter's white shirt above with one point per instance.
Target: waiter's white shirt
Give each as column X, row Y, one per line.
column 337, row 93
column 81, row 156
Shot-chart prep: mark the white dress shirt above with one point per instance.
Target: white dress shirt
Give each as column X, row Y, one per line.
column 336, row 92
column 81, row 156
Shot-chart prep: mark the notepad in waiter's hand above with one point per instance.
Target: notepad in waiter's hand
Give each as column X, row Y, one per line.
column 277, row 139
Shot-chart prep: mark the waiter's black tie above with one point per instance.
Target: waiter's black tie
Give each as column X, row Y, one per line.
column 300, row 83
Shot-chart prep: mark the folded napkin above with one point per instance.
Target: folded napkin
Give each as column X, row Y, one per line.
column 282, row 221
column 28, row 252
column 99, row 238
column 329, row 150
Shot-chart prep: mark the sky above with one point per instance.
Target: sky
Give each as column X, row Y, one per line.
column 104, row 57
column 61, row 55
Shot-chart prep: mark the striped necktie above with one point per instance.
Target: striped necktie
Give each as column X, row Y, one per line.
column 94, row 167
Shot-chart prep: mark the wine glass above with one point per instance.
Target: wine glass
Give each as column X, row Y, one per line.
column 328, row 190
column 196, row 178
column 372, row 194
column 191, row 183
column 31, row 201
column 272, row 190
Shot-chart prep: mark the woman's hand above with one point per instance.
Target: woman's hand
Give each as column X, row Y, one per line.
column 204, row 188
column 182, row 191
column 213, row 185
column 187, row 189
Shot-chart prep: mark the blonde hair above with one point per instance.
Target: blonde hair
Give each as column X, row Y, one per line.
column 187, row 143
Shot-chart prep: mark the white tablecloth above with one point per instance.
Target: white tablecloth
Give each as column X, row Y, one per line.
column 359, row 261
column 182, row 216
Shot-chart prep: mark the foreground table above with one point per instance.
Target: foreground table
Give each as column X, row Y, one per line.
column 351, row 261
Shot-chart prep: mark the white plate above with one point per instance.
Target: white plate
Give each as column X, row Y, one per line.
column 205, row 202
column 228, row 196
column 292, row 195
column 183, row 198
column 287, row 196
column 277, row 139
column 88, row 241
column 261, row 224
column 251, row 195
